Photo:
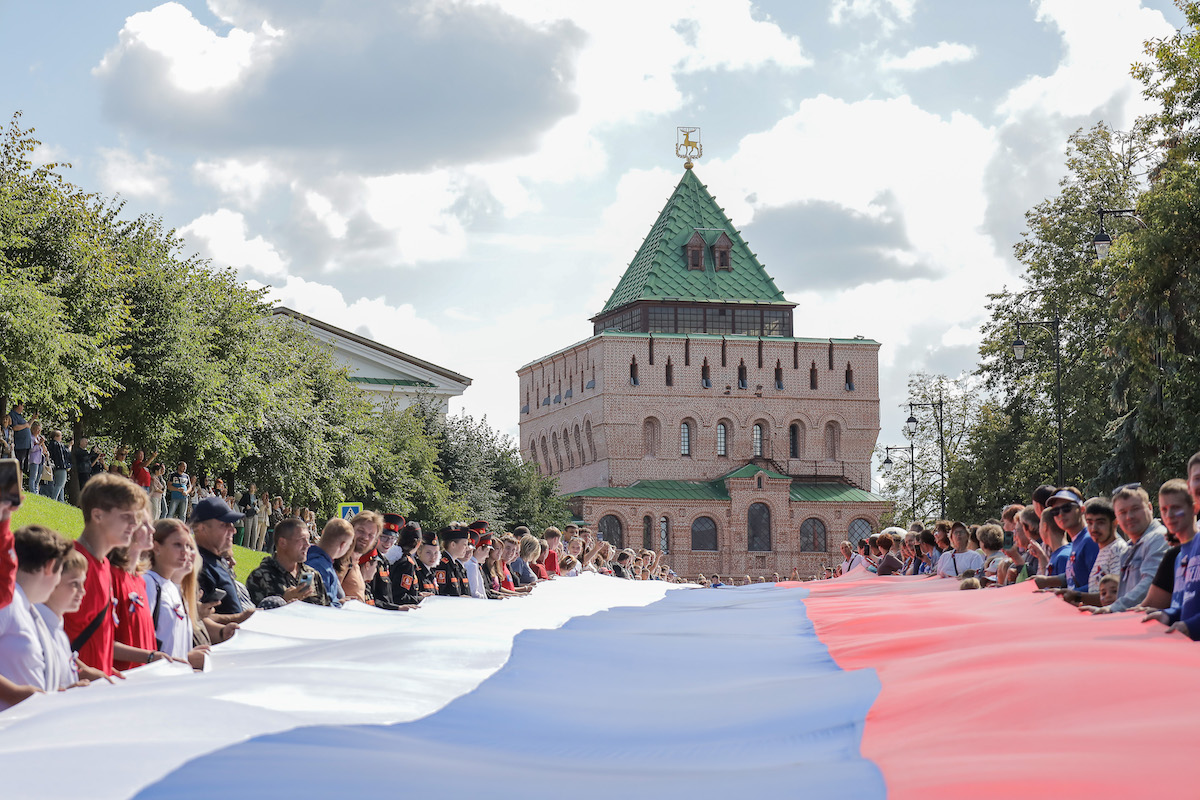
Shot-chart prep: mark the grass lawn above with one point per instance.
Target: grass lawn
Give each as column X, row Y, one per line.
column 68, row 520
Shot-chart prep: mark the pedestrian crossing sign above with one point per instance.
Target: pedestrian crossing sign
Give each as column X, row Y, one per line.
column 348, row 510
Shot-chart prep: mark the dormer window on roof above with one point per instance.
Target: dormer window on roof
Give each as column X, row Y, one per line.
column 694, row 251
column 720, row 252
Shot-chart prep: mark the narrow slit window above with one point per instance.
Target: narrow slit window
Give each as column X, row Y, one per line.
column 633, row 373
column 812, row 376
column 705, row 378
column 849, row 378
column 758, row 440
column 722, row 434
column 778, row 376
column 685, row 439
column 670, row 376
column 742, row 382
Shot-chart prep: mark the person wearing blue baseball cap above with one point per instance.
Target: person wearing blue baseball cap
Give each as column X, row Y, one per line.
column 212, row 523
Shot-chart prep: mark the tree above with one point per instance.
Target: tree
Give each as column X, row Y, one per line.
column 958, row 410
column 1065, row 281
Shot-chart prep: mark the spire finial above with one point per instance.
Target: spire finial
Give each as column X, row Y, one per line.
column 687, row 145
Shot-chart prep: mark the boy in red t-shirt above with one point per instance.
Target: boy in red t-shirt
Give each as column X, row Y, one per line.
column 112, row 509
column 553, row 537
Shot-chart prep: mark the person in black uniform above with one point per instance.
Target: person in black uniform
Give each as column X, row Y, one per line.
column 450, row 575
column 428, row 556
column 379, row 588
column 405, row 586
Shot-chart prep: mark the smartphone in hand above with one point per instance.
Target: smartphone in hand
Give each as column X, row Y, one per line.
column 10, row 482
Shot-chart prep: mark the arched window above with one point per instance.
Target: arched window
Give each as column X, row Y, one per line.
column 859, row 529
column 833, row 440
column 812, row 376
column 742, row 382
column 664, row 535
column 651, row 435
column 849, row 378
column 758, row 522
column 812, row 536
column 633, row 373
column 591, row 445
column 705, row 377
column 704, row 534
column 722, row 439
column 795, row 440
column 610, row 531
column 685, row 439
column 758, row 440
column 647, row 533
column 670, row 373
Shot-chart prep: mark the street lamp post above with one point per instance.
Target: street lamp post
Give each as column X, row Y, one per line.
column 1102, row 241
column 910, row 427
column 1018, row 346
column 886, row 466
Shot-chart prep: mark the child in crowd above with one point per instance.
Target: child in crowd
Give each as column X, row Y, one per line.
column 170, row 559
column 27, row 651
column 63, row 667
column 1108, row 588
column 134, row 644
column 112, row 510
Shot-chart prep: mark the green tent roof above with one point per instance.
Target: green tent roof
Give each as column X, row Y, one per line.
column 715, row 490
column 659, row 270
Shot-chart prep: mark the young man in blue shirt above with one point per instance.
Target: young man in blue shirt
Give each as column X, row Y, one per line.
column 1067, row 507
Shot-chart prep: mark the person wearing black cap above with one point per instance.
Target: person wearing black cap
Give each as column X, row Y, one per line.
column 405, row 583
column 428, row 555
column 378, row 576
column 212, row 523
column 450, row 575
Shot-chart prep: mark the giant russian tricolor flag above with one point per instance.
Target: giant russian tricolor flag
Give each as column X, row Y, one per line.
column 864, row 687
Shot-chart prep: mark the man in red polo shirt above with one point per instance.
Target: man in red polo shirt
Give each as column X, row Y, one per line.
column 112, row 509
column 140, row 472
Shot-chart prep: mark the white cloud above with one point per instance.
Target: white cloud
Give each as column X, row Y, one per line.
column 223, row 237
column 241, row 181
column 418, row 212
column 198, row 59
column 122, row 172
column 626, row 72
column 926, row 57
column 1101, row 39
column 887, row 12
column 323, row 209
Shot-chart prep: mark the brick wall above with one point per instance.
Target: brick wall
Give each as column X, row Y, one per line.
column 617, row 411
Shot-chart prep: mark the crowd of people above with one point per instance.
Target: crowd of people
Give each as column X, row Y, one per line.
column 1106, row 555
column 133, row 590
column 48, row 458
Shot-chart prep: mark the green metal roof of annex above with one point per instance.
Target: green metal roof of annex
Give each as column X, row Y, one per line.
column 715, row 490
column 659, row 270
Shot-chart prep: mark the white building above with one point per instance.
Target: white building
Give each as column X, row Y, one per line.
column 382, row 372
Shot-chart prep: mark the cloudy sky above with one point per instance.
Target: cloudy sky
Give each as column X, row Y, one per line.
column 467, row 180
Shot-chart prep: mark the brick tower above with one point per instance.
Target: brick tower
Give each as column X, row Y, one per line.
column 694, row 422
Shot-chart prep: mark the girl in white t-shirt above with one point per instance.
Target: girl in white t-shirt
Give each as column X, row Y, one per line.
column 170, row 560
